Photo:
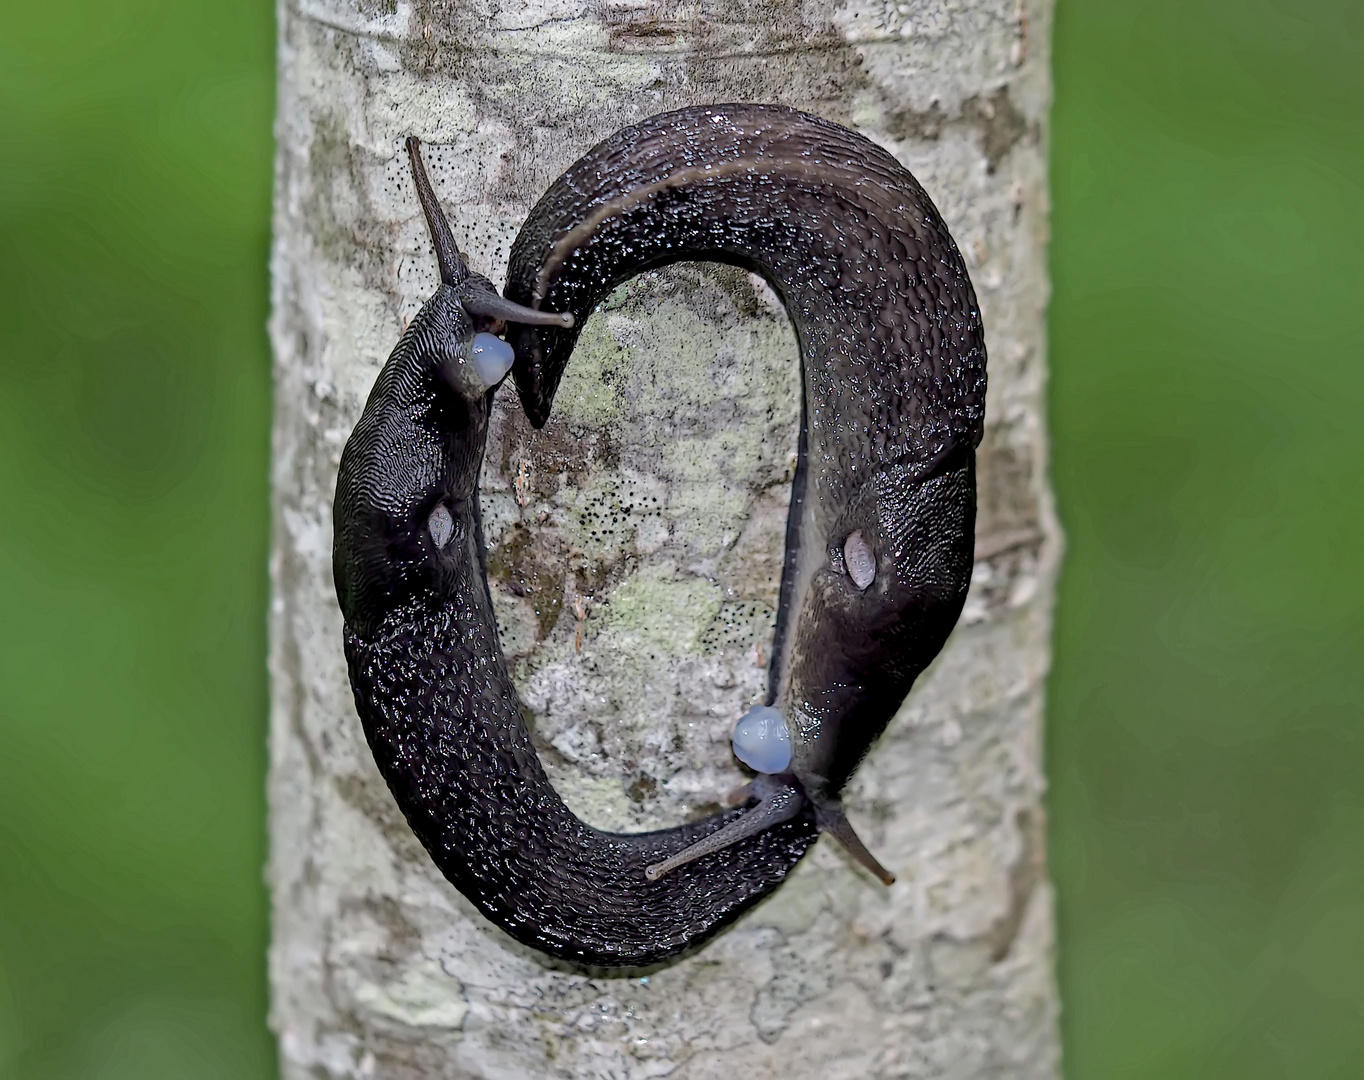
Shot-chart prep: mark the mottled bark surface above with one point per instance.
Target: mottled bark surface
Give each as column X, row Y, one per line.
column 635, row 548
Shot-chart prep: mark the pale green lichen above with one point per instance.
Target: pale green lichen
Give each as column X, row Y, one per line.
column 423, row 995
column 660, row 612
column 600, row 800
column 675, row 419
column 586, row 396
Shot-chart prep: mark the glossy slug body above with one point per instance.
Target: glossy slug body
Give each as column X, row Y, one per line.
column 879, row 537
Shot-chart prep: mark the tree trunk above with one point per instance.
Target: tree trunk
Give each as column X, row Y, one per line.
column 635, row 548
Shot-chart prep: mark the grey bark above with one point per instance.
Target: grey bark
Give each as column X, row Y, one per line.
column 635, row 547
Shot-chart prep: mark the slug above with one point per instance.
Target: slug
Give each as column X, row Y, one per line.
column 879, row 536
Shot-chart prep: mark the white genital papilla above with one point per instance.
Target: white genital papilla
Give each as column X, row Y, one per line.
column 761, row 740
column 492, row 358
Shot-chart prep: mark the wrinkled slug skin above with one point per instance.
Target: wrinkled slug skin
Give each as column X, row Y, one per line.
column 894, row 379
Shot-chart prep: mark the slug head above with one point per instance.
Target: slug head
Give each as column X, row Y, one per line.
column 406, row 491
column 874, row 609
column 894, row 573
column 406, row 509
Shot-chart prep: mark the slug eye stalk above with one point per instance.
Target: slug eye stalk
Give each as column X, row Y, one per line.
column 475, row 293
column 451, row 262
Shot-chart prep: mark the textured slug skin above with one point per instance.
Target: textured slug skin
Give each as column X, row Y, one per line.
column 894, row 373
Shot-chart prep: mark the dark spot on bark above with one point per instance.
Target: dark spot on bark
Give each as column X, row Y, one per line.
column 372, row 799
column 528, row 563
column 558, row 449
column 1000, row 123
column 997, row 119
column 404, row 938
column 340, row 180
column 641, row 788
column 1005, row 500
column 637, row 32
column 1024, row 877
column 917, row 123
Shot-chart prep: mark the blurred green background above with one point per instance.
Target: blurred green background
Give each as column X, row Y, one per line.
column 1204, row 746
column 135, row 165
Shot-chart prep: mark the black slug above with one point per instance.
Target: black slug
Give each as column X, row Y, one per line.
column 879, row 537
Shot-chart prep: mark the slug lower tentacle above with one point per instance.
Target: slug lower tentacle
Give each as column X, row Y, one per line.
column 879, row 535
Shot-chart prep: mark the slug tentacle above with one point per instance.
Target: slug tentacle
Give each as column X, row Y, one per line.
column 831, row 820
column 879, row 536
column 484, row 300
column 453, row 271
column 475, row 292
column 779, row 801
